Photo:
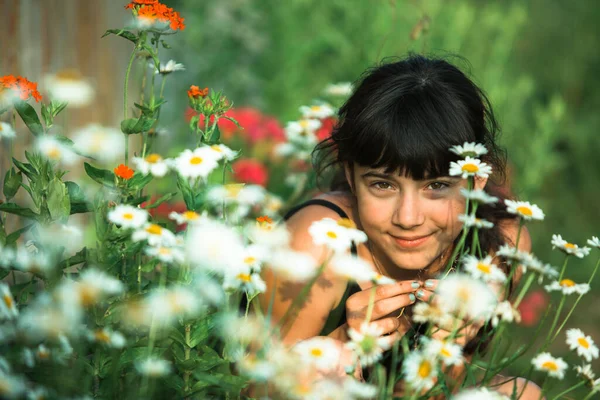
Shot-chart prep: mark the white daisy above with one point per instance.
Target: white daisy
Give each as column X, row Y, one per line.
column 70, row 86
column 102, row 143
column 337, row 235
column 483, row 269
column 166, row 254
column 70, row 237
column 469, row 149
column 223, row 152
column 6, row 131
column 195, row 164
column 284, row 149
column 419, row 370
column 108, row 337
column 586, row 372
column 302, row 132
column 255, row 368
column 379, row 279
column 169, row 67
column 47, row 318
column 8, row 306
column 92, row 287
column 505, row 312
column 243, row 196
column 153, row 367
column 11, row 386
column 569, row 248
column 341, row 89
column 447, row 352
column 292, row 265
column 128, row 216
column 367, row 343
column 268, row 234
column 321, row 352
column 431, row 312
column 594, row 242
column 272, row 205
column 155, row 235
column 471, row 221
column 524, row 209
column 54, row 150
column 567, row 286
column 214, row 246
column 167, row 305
column 470, row 167
column 351, row 267
column 318, row 111
column 359, row 390
column 462, row 295
column 512, row 254
column 244, row 280
column 584, row 344
column 185, row 217
column 151, row 164
column 479, row 394
column 479, row 196
column 555, row 367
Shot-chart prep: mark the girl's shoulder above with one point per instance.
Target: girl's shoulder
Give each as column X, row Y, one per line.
column 325, row 205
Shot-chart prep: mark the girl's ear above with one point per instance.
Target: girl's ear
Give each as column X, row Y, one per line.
column 349, row 172
column 480, row 182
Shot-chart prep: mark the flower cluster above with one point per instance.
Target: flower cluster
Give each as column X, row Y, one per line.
column 149, row 13
column 23, row 88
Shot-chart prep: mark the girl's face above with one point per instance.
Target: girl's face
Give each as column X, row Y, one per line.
column 410, row 223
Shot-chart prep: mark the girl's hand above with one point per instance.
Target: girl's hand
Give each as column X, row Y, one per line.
column 388, row 301
column 469, row 328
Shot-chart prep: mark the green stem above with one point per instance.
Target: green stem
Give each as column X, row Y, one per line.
column 589, row 396
column 131, row 58
column 576, row 302
column 554, row 322
column 559, row 396
column 371, row 304
column 526, row 286
column 186, row 348
column 162, row 86
column 564, row 268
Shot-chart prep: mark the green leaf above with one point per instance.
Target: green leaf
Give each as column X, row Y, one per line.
column 12, row 183
column 78, row 258
column 79, row 203
column 27, row 169
column 29, row 117
column 138, row 181
column 13, row 208
column 177, row 336
column 165, row 44
column 13, row 237
column 186, row 191
column 139, row 200
column 123, row 33
column 200, row 331
column 132, row 126
column 194, row 123
column 47, row 115
column 161, row 200
column 215, row 135
column 102, row 176
column 59, row 204
column 234, row 121
column 58, row 106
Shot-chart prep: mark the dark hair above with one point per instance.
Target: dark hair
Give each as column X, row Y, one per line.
column 404, row 116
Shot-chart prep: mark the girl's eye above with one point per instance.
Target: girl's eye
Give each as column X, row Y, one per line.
column 438, row 185
column 381, row 185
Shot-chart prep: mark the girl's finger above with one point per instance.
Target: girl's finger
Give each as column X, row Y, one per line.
column 431, row 284
column 424, row 295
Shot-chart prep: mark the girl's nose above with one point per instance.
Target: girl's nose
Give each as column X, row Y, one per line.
column 408, row 213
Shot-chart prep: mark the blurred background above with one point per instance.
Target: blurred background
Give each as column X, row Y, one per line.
column 536, row 59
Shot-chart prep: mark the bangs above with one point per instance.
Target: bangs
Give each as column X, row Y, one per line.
column 412, row 138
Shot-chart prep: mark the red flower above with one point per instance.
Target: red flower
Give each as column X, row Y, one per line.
column 247, row 170
column 124, row 172
column 22, row 86
column 326, row 128
column 532, row 306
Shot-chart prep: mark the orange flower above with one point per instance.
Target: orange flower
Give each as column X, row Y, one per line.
column 22, row 86
column 152, row 11
column 196, row 92
column 264, row 220
column 124, row 172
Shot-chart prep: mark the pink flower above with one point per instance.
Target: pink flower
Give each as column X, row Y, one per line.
column 532, row 306
column 247, row 170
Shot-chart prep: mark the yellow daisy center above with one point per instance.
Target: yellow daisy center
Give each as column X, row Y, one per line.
column 567, row 283
column 196, row 160
column 471, row 168
column 485, row 268
column 216, row 148
column 315, row 108
column 244, row 277
column 250, row 260
column 1, row 128
column 347, row 223
column 316, row 352
column 153, row 158
column 424, row 369
column 570, row 246
column 583, row 342
column 304, row 124
column 190, row 215
column 154, row 229
column 332, row 235
column 43, row 354
column 525, row 211
column 164, row 251
column 8, row 301
column 445, row 353
column 128, row 216
column 550, row 365
column 101, row 336
column 54, row 153
column 464, row 294
column 68, row 75
column 87, row 295
column 233, row 189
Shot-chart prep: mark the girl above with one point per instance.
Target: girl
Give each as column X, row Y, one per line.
column 390, row 156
